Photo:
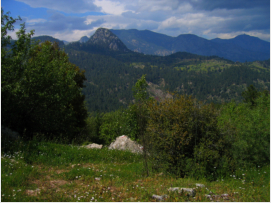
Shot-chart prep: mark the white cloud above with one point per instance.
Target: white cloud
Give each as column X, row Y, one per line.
column 37, row 20
column 172, row 17
column 110, row 7
column 75, row 35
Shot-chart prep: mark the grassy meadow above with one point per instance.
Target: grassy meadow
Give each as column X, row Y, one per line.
column 58, row 172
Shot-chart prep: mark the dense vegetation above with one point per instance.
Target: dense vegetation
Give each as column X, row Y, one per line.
column 111, row 76
column 182, row 136
column 40, row 88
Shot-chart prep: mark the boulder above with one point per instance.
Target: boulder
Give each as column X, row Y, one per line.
column 199, row 185
column 94, row 146
column 125, row 143
column 188, row 191
column 159, row 198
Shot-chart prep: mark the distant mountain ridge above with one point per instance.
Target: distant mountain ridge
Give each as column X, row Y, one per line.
column 241, row 48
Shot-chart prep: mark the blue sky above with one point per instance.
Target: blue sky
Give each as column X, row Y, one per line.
column 71, row 19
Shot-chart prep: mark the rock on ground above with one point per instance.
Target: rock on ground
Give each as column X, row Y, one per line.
column 159, row 198
column 94, row 146
column 188, row 191
column 125, row 143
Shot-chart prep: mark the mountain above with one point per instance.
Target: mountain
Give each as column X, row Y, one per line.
column 106, row 39
column 101, row 42
column 247, row 42
column 242, row 48
column 49, row 38
column 112, row 70
column 84, row 39
column 65, row 42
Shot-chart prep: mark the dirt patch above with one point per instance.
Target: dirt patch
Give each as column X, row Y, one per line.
column 49, row 183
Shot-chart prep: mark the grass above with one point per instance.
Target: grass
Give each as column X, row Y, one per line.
column 44, row 171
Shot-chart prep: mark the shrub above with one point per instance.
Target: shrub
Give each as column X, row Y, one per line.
column 184, row 136
column 120, row 122
column 248, row 128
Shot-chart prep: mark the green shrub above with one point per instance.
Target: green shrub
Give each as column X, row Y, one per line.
column 184, row 137
column 120, row 122
column 248, row 128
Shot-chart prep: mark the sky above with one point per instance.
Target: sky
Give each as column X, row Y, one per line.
column 69, row 20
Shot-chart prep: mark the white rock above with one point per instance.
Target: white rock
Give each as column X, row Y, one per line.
column 125, row 143
column 159, row 198
column 199, row 185
column 94, row 146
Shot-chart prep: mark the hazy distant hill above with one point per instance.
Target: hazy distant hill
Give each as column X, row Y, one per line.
column 242, row 48
column 49, row 38
column 247, row 42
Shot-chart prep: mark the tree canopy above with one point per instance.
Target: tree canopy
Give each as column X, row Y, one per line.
column 41, row 89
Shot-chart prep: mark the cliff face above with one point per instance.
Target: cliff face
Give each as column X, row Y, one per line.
column 105, row 38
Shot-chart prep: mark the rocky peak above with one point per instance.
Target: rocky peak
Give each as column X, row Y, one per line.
column 84, row 39
column 105, row 38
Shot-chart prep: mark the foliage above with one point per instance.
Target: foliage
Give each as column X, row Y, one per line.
column 41, row 89
column 117, row 123
column 250, row 95
column 248, row 129
column 184, row 137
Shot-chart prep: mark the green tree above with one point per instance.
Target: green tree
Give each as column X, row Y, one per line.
column 41, row 89
column 250, row 95
column 141, row 111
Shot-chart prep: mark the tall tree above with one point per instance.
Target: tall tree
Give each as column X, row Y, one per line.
column 41, row 89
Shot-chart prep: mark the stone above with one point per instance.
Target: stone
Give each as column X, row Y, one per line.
column 125, row 143
column 199, row 185
column 33, row 192
column 188, row 191
column 159, row 198
column 94, row 146
column 225, row 196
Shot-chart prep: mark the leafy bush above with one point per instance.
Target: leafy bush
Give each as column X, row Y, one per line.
column 184, row 137
column 248, row 128
column 117, row 123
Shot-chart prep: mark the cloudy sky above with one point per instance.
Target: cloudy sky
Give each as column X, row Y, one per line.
column 71, row 19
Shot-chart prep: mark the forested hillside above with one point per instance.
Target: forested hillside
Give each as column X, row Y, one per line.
column 111, row 75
